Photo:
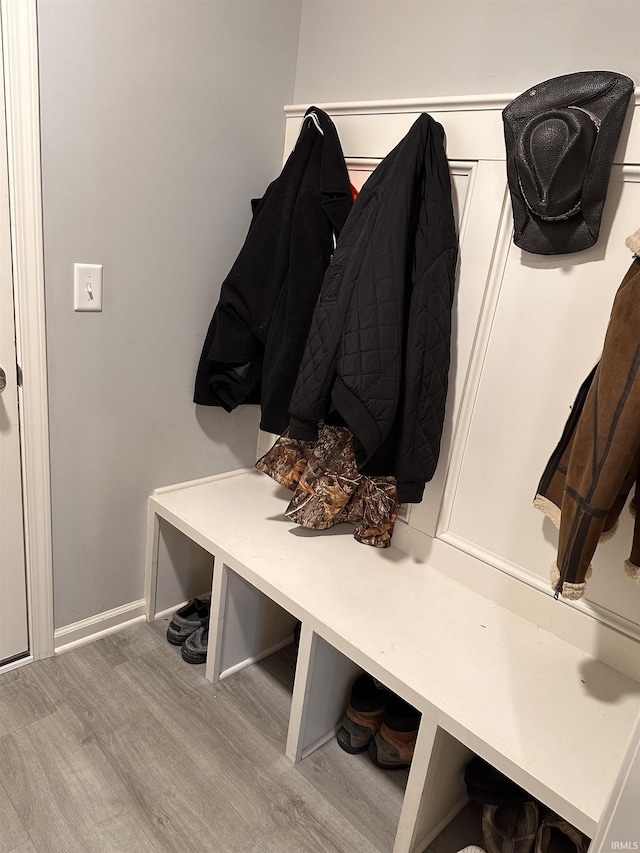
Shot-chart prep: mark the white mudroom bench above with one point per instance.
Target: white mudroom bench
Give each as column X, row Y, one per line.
column 487, row 681
column 457, row 616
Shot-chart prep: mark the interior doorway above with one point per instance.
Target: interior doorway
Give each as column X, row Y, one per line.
column 14, row 635
column 26, row 571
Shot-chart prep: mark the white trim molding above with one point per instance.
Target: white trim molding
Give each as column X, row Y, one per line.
column 15, row 664
column 409, row 105
column 20, row 58
column 434, row 104
column 474, row 129
column 98, row 626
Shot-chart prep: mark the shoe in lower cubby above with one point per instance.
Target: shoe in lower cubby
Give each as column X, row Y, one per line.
column 381, row 722
column 368, row 798
column 403, row 810
column 514, row 820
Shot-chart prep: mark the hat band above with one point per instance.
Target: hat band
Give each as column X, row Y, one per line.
column 594, row 118
column 575, row 209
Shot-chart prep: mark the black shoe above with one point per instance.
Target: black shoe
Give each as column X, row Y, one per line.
column 364, row 714
column 194, row 648
column 488, row 786
column 188, row 619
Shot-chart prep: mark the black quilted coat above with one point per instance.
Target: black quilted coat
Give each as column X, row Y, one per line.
column 378, row 348
column 257, row 335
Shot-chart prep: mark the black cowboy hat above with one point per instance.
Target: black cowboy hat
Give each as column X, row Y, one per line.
column 561, row 137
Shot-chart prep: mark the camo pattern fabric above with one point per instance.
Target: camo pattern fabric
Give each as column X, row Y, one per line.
column 328, row 488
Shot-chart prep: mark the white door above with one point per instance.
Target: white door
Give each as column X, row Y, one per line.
column 14, row 640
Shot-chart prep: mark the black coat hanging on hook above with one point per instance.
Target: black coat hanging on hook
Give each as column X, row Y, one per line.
column 257, row 335
column 379, row 345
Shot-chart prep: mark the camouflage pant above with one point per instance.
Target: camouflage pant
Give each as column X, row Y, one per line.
column 328, row 488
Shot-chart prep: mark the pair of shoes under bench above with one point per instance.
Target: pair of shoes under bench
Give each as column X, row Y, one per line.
column 379, row 721
column 189, row 628
column 519, row 829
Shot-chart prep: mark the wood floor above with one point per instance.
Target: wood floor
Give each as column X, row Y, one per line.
column 121, row 747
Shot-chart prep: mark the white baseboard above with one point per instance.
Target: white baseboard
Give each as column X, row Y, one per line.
column 169, row 611
column 318, row 742
column 16, row 664
column 255, row 658
column 101, row 625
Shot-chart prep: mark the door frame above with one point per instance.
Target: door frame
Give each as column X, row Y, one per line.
column 20, row 72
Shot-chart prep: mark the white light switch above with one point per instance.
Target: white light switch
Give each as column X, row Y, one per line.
column 87, row 287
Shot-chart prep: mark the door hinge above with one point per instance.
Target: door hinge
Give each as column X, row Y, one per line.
column 19, row 375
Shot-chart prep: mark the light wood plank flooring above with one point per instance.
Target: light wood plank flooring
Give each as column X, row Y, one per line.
column 121, row 747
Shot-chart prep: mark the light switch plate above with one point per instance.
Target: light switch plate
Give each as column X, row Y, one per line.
column 87, row 287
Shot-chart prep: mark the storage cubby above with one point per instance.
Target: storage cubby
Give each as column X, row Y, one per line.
column 320, row 694
column 187, row 568
column 370, row 798
column 246, row 625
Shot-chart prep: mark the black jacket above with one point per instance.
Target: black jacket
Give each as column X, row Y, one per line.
column 257, row 334
column 378, row 348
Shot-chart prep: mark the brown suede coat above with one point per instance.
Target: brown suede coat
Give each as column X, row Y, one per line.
column 597, row 462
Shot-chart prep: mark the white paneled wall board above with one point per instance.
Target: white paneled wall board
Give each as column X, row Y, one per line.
column 529, row 378
column 555, row 311
column 458, row 616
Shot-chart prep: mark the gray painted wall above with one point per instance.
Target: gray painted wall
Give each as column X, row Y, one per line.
column 160, row 121
column 374, row 49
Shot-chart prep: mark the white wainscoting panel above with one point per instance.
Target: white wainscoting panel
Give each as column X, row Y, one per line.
column 526, row 331
column 546, row 335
